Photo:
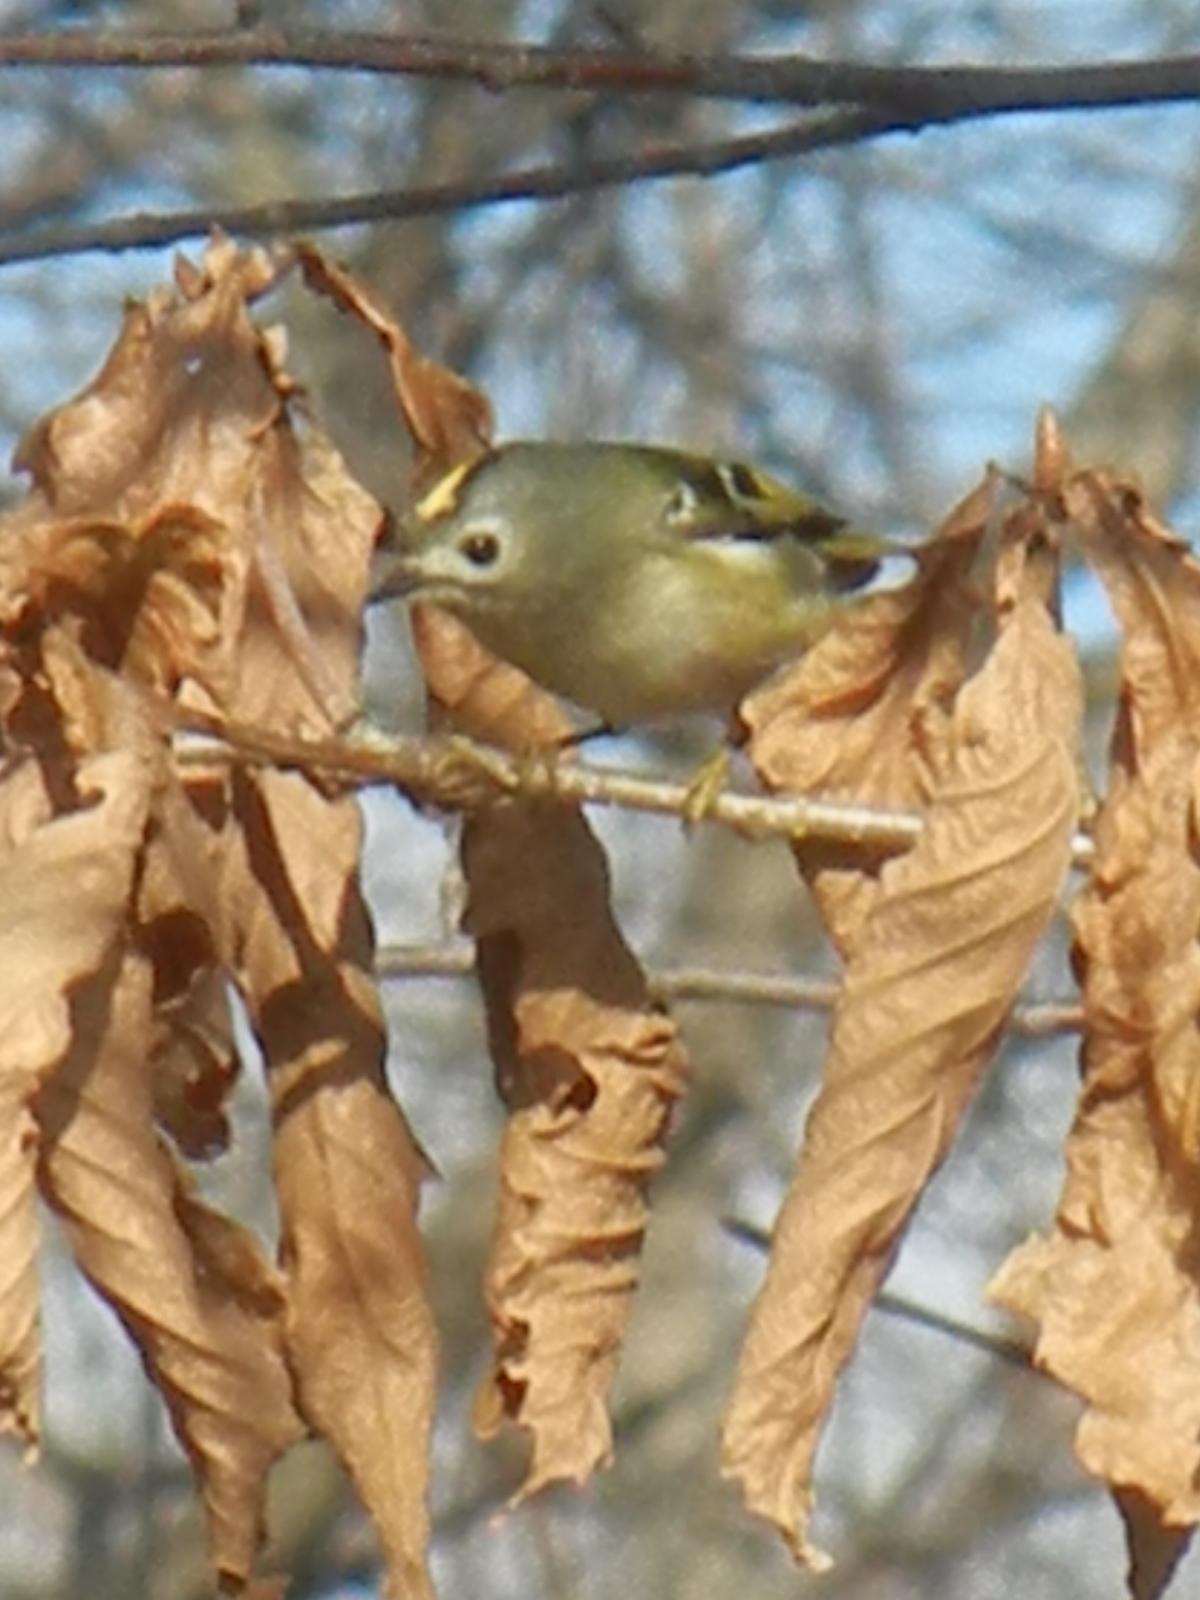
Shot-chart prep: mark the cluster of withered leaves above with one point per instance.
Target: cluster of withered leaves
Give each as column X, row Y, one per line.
column 187, row 547
column 890, row 709
column 190, row 544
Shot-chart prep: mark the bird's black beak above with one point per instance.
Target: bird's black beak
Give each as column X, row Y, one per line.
column 392, row 577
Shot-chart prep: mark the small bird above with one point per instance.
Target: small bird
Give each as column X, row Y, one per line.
column 638, row 582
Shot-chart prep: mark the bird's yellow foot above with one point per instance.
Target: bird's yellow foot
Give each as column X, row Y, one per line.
column 704, row 790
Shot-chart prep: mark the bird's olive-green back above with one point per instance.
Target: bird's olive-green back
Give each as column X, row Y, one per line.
column 598, row 503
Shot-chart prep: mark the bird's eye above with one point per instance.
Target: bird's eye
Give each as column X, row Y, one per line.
column 480, row 549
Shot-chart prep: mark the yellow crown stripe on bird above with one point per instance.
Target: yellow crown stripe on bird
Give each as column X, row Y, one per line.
column 443, row 497
column 638, row 581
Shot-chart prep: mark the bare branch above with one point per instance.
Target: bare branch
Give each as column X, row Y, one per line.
column 550, row 181
column 923, row 93
column 455, row 773
column 1014, row 1351
column 1035, row 1021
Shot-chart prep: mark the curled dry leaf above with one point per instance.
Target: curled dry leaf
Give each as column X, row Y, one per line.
column 470, row 689
column 1154, row 1551
column 862, row 715
column 590, row 1072
column 193, row 1048
column 933, row 972
column 291, row 927
column 450, row 419
column 65, row 883
column 361, row 1339
column 208, row 1324
column 175, row 506
column 1114, row 1286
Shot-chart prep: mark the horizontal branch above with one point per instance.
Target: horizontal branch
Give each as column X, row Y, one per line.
column 453, row 773
column 548, row 181
column 1037, row 1020
column 496, row 65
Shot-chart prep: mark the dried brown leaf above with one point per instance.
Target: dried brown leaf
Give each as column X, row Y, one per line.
column 930, row 982
column 65, row 884
column 470, row 689
column 178, row 511
column 1051, row 455
column 195, row 1056
column 216, row 1356
column 361, row 1340
column 1114, row 1285
column 591, row 1073
column 450, row 419
column 181, row 919
column 316, row 529
column 172, row 393
column 1154, row 1551
column 863, row 714
column 20, row 1326
column 143, row 596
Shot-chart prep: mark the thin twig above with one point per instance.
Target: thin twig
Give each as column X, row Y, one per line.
column 453, row 773
column 1014, row 1351
column 1040, row 1020
column 549, row 181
